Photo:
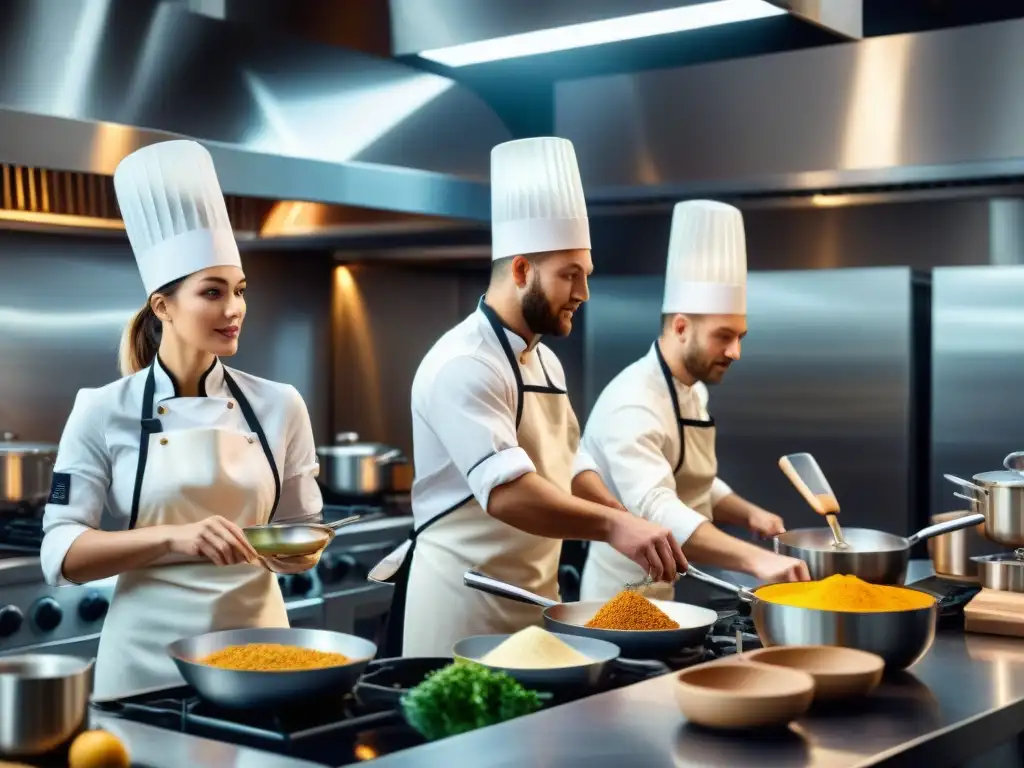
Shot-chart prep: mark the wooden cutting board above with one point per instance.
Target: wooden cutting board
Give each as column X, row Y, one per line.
column 994, row 612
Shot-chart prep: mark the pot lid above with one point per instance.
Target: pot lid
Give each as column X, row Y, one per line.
column 1000, row 477
column 9, row 443
column 347, row 444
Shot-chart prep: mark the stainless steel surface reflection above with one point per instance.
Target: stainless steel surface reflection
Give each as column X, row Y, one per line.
column 977, row 369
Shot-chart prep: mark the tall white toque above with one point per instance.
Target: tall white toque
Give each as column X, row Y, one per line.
column 174, row 212
column 537, row 201
column 707, row 260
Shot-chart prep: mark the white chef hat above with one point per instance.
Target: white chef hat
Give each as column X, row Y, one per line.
column 537, row 199
column 174, row 212
column 707, row 260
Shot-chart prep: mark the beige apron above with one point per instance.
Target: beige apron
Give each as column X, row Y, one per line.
column 438, row 609
column 607, row 571
column 185, row 476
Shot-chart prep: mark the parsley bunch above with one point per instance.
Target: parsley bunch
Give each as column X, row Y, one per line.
column 463, row 697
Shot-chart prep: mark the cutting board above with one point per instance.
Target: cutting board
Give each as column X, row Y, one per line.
column 994, row 612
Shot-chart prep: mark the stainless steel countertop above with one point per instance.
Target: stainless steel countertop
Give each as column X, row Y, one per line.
column 965, row 697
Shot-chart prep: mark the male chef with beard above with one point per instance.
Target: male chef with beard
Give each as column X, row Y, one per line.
column 650, row 432
column 500, row 480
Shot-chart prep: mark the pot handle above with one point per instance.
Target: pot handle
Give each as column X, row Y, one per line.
column 743, row 593
column 946, row 527
column 965, row 484
column 389, row 456
column 476, row 580
column 1014, row 461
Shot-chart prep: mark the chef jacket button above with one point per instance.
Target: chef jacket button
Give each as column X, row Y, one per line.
column 251, row 441
column 161, row 410
column 231, row 404
column 163, row 441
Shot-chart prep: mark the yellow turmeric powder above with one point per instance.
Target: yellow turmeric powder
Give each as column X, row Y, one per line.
column 847, row 594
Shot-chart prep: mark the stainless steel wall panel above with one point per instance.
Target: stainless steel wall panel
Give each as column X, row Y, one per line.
column 977, row 370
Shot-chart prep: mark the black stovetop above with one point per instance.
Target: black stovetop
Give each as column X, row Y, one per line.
column 343, row 730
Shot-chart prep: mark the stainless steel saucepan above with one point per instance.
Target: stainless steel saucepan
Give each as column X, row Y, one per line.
column 1003, row 501
column 44, row 702
column 244, row 689
column 874, row 556
column 571, row 618
column 902, row 638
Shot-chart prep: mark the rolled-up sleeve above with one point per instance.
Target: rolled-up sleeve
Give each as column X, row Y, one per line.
column 583, row 462
column 628, row 446
column 719, row 490
column 472, row 410
column 300, row 493
column 81, row 481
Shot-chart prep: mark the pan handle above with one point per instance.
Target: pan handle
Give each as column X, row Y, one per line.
column 946, row 527
column 743, row 593
column 476, row 580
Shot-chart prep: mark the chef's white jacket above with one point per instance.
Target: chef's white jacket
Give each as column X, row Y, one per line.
column 464, row 401
column 633, row 435
column 99, row 452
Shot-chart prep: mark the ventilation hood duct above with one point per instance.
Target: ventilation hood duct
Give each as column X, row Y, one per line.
column 308, row 140
column 907, row 110
column 431, row 25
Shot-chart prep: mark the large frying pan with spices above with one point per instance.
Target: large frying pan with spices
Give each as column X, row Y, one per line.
column 571, row 618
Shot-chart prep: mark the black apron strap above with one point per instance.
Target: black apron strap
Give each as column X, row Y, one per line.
column 254, row 425
column 394, row 629
column 681, row 423
column 148, row 426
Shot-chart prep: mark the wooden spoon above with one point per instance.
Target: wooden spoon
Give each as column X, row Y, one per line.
column 806, row 476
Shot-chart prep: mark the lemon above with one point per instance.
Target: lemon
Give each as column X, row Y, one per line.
column 98, row 749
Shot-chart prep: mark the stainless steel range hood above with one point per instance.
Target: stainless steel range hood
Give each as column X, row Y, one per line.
column 930, row 108
column 85, row 82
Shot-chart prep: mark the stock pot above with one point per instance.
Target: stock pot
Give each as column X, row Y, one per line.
column 26, row 470
column 354, row 468
column 1002, row 501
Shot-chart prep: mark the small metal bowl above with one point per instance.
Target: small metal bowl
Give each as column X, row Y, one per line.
column 1004, row 571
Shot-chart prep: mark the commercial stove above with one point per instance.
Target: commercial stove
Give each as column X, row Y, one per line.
column 335, row 595
column 350, row 729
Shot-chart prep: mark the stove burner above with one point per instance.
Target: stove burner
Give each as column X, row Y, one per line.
column 21, row 526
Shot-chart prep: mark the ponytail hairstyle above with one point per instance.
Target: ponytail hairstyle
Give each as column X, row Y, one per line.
column 141, row 337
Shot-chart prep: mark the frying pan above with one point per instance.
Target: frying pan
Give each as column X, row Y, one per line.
column 570, row 618
column 874, row 556
column 244, row 689
column 603, row 655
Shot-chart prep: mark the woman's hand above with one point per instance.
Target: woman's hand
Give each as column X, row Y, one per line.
column 217, row 539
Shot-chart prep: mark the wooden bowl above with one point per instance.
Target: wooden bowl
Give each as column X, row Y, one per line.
column 839, row 673
column 743, row 694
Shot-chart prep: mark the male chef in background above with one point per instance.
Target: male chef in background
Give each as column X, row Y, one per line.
column 499, row 477
column 650, row 432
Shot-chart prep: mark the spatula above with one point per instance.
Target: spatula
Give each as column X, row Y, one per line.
column 806, row 476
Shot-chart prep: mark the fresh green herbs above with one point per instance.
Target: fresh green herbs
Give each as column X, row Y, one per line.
column 464, row 696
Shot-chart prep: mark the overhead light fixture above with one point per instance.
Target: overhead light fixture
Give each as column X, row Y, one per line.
column 590, row 33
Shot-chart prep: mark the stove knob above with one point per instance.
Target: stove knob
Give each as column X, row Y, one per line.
column 47, row 614
column 335, row 567
column 301, row 584
column 11, row 619
column 93, row 607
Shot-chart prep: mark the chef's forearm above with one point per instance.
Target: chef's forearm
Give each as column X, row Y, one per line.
column 589, row 486
column 734, row 510
column 101, row 554
column 535, row 505
column 708, row 545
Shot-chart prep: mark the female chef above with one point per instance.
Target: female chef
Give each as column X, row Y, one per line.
column 183, row 452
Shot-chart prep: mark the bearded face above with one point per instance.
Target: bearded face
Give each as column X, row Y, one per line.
column 556, row 287
column 712, row 345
